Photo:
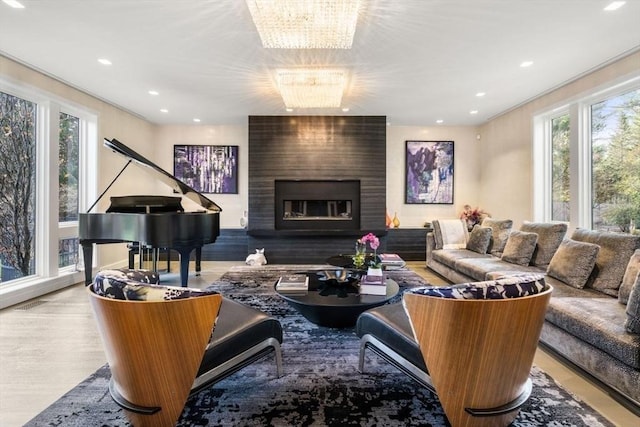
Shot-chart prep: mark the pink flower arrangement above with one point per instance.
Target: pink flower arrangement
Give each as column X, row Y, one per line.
column 473, row 216
column 370, row 238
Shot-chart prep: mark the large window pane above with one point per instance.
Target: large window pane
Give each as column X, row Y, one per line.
column 68, row 167
column 615, row 145
column 560, row 132
column 17, row 186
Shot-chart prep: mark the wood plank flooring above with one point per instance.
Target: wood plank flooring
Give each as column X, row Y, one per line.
column 50, row 344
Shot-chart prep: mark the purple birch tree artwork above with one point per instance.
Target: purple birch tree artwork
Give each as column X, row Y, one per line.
column 207, row 168
column 429, row 172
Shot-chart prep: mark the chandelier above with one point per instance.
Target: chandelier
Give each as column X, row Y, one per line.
column 305, row 24
column 311, row 87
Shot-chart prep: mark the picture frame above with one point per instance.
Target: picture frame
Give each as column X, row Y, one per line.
column 429, row 172
column 207, row 168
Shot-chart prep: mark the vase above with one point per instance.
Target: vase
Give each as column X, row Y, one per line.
column 396, row 221
column 388, row 221
column 244, row 220
column 360, row 256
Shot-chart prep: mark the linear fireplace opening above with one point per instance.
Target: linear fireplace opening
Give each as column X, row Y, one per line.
column 317, row 204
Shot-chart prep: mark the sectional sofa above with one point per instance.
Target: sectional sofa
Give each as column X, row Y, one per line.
column 593, row 318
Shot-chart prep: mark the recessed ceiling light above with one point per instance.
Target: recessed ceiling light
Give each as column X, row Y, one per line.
column 525, row 64
column 289, row 110
column 14, row 4
column 164, row 110
column 614, row 5
column 196, row 120
column 439, row 121
column 344, row 110
column 480, row 94
column 104, row 61
column 473, row 112
column 154, row 92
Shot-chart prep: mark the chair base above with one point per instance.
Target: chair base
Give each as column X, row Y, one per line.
column 514, row 405
column 129, row 406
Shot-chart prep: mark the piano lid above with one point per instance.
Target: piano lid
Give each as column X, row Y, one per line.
column 162, row 175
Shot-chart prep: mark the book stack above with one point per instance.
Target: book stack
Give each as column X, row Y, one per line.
column 373, row 285
column 293, row 284
column 391, row 261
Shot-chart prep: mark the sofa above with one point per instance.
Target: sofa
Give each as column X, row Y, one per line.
column 593, row 318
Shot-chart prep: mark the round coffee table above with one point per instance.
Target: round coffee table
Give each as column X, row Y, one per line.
column 335, row 306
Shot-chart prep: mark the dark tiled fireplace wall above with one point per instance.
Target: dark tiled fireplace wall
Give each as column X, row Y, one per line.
column 314, row 148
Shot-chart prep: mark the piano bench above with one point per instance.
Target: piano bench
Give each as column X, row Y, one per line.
column 147, row 253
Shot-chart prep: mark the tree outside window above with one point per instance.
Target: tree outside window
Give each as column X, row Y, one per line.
column 560, row 178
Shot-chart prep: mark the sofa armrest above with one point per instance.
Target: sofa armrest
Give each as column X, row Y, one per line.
column 431, row 245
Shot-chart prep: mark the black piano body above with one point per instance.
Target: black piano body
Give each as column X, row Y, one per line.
column 153, row 221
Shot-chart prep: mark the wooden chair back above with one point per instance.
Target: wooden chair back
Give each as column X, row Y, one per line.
column 479, row 353
column 154, row 350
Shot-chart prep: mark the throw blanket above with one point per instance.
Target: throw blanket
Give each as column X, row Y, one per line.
column 453, row 234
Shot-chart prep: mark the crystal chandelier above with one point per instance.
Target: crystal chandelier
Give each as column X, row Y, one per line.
column 305, row 24
column 311, row 87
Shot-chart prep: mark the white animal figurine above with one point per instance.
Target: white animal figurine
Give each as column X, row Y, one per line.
column 256, row 259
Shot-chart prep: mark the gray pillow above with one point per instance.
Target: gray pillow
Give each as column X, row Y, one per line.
column 615, row 251
column 633, row 309
column 519, row 248
column 500, row 233
column 550, row 236
column 479, row 239
column 630, row 274
column 573, row 262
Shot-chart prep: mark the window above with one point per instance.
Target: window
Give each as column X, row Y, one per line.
column 615, row 156
column 587, row 161
column 17, row 187
column 560, row 168
column 45, row 161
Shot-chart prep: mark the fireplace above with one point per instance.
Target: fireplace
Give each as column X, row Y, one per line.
column 317, row 205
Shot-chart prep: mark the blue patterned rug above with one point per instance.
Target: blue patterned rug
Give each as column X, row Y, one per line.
column 321, row 385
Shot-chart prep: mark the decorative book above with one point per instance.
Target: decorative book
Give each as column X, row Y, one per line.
column 373, row 285
column 293, row 283
column 391, row 261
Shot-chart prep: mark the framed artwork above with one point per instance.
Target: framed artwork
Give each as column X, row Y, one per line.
column 207, row 168
column 429, row 172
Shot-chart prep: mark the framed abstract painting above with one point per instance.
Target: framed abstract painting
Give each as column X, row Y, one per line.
column 429, row 172
column 207, row 168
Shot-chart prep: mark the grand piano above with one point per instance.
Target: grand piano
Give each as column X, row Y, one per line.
column 152, row 221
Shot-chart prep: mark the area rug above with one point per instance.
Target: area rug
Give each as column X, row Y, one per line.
column 321, row 385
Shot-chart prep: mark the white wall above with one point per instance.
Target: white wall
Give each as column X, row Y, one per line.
column 467, row 164
column 232, row 205
column 506, row 144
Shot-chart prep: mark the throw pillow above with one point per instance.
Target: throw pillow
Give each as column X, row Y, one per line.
column 479, row 239
column 450, row 233
column 519, row 248
column 573, row 262
column 499, row 234
column 508, row 287
column 615, row 251
column 550, row 236
column 633, row 309
column 629, row 278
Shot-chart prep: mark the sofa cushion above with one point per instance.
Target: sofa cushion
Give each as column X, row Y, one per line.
column 479, row 239
column 449, row 257
column 598, row 321
column 629, row 278
column 500, row 230
column 484, row 268
column 519, row 248
column 507, row 287
column 550, row 236
column 612, row 260
column 573, row 262
column 450, row 233
column 632, row 324
column 118, row 284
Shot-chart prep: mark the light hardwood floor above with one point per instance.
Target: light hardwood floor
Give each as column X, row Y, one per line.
column 50, row 344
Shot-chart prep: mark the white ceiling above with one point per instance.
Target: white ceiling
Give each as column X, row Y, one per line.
column 414, row 61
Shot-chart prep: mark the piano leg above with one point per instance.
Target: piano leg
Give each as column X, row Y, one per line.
column 184, row 264
column 198, row 260
column 87, row 255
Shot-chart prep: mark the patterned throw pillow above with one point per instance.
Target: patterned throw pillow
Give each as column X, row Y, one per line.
column 139, row 285
column 479, row 239
column 573, row 262
column 508, row 287
column 499, row 235
column 633, row 309
column 519, row 248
